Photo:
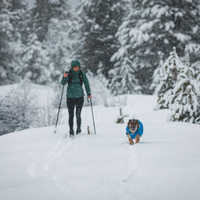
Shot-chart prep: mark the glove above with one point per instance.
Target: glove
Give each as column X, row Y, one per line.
column 65, row 74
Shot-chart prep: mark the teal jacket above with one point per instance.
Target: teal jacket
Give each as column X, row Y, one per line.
column 75, row 90
column 139, row 131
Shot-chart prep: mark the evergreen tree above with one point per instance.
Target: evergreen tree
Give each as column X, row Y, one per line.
column 186, row 71
column 100, row 76
column 198, row 80
column 157, row 74
column 198, row 93
column 6, row 33
column 53, row 24
column 100, row 92
column 41, row 17
column 197, row 76
column 196, row 66
column 184, row 100
column 154, row 26
column 123, row 80
column 34, row 62
column 46, row 10
column 169, row 74
column 11, row 12
column 60, row 39
column 100, row 20
column 21, row 17
column 184, row 103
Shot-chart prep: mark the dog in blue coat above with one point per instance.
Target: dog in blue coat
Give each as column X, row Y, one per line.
column 134, row 130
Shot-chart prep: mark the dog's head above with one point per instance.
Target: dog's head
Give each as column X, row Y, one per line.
column 133, row 125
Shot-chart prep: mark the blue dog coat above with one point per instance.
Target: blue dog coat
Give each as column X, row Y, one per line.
column 139, row 131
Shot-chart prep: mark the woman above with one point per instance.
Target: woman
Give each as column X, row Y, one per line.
column 75, row 95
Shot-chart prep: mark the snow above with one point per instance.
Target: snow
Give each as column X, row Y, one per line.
column 148, row 26
column 182, row 37
column 159, row 11
column 36, row 164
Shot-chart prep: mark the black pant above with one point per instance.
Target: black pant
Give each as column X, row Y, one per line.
column 71, row 103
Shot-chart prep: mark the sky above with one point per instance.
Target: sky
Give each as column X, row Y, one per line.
column 72, row 2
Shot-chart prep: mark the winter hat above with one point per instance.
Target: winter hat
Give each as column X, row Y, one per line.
column 75, row 63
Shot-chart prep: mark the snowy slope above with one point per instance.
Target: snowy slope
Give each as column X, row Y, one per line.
column 36, row 164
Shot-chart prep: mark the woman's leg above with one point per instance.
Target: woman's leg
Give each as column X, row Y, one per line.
column 79, row 105
column 70, row 105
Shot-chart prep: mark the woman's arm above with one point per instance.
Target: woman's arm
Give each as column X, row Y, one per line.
column 64, row 78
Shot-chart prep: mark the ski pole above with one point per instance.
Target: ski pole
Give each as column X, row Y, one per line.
column 58, row 110
column 92, row 116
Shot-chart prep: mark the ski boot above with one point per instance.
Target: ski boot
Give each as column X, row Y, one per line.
column 71, row 134
column 78, row 131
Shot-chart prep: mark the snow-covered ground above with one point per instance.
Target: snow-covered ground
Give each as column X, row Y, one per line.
column 36, row 164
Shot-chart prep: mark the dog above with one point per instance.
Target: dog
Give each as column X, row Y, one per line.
column 134, row 130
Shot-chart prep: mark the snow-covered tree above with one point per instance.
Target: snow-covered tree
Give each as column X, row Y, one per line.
column 184, row 103
column 11, row 12
column 20, row 18
column 100, row 76
column 60, row 39
column 99, row 90
column 34, row 62
column 154, row 26
column 169, row 76
column 41, row 17
column 6, row 33
column 100, row 20
column 184, row 100
column 157, row 74
column 123, row 80
column 198, row 81
column 198, row 93
column 196, row 66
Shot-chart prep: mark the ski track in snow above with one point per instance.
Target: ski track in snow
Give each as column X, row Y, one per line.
column 49, row 155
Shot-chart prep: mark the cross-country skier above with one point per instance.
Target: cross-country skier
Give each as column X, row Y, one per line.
column 75, row 94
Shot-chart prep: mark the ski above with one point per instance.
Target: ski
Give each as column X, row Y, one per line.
column 72, row 136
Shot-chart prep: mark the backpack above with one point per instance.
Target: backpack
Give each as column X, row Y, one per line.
column 80, row 76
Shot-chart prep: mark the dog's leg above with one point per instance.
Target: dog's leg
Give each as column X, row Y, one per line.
column 130, row 140
column 137, row 139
